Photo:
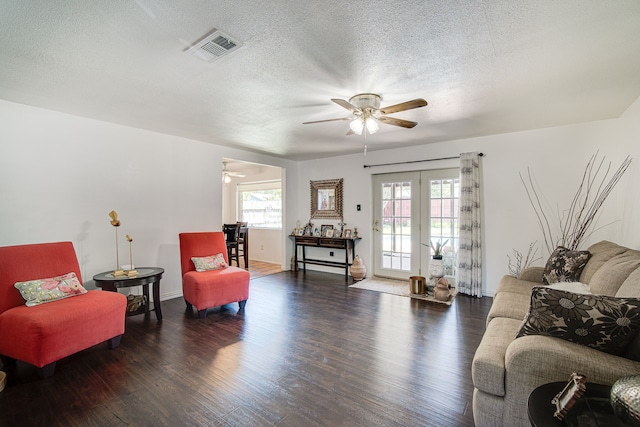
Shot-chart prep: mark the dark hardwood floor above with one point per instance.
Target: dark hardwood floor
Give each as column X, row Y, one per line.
column 307, row 351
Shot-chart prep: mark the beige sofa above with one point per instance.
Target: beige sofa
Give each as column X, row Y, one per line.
column 505, row 370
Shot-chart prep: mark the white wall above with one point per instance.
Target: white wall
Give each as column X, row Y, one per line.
column 557, row 158
column 60, row 176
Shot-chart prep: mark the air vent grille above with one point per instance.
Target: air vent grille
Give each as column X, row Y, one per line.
column 213, row 46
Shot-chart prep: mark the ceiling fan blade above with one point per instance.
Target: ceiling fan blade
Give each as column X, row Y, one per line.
column 346, row 104
column 409, row 105
column 328, row 120
column 397, row 122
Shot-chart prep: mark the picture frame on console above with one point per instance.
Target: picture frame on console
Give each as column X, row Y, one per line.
column 308, row 230
column 346, row 233
column 324, row 230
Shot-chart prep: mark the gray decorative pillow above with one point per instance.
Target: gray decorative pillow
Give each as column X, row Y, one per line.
column 565, row 265
column 605, row 323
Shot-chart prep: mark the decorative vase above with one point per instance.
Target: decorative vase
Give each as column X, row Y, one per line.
column 417, row 285
column 357, row 269
column 441, row 292
column 436, row 267
column 625, row 400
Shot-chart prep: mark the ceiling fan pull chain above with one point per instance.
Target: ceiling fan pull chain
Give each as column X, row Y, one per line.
column 365, row 142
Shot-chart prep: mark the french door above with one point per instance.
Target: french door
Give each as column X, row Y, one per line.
column 413, row 210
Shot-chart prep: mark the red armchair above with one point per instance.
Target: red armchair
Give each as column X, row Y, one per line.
column 212, row 288
column 43, row 334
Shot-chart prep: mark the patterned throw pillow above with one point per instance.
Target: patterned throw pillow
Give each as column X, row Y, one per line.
column 213, row 262
column 565, row 265
column 54, row 288
column 605, row 323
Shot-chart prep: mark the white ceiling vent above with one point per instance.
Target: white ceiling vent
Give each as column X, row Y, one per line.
column 213, row 46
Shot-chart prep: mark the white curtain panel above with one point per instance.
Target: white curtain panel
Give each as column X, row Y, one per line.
column 469, row 280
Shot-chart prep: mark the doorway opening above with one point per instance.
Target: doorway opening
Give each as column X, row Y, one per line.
column 254, row 193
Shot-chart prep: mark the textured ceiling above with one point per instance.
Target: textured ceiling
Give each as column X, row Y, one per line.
column 485, row 67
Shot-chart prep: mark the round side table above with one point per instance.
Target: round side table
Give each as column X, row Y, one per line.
column 146, row 276
column 592, row 409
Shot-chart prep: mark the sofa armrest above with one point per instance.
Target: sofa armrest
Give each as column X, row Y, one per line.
column 532, row 274
column 534, row 360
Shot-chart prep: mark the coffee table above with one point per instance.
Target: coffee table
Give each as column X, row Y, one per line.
column 146, row 276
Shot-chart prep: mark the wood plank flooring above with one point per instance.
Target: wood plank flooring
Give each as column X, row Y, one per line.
column 260, row 269
column 307, row 351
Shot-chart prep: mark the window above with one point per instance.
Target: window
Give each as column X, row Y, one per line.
column 444, row 219
column 396, row 225
column 260, row 204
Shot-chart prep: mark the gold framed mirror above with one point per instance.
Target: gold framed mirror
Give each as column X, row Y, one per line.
column 326, row 199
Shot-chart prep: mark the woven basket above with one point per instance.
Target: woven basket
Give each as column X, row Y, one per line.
column 135, row 302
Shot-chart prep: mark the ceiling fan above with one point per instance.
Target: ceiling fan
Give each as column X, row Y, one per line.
column 367, row 113
column 227, row 174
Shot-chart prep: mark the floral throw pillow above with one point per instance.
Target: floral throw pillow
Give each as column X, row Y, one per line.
column 213, row 262
column 605, row 323
column 565, row 265
column 53, row 288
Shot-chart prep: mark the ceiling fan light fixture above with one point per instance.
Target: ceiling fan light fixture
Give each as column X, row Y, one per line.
column 357, row 125
column 226, row 178
column 372, row 125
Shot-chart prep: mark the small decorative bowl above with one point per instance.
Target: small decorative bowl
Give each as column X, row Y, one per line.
column 625, row 400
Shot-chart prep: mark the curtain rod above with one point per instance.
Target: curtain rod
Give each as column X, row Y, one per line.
column 416, row 161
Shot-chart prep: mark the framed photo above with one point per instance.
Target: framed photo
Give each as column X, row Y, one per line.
column 308, row 230
column 564, row 400
column 324, row 229
column 316, row 232
column 300, row 231
column 329, row 232
column 346, row 233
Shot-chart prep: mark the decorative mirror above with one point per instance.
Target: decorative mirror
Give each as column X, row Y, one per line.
column 326, row 199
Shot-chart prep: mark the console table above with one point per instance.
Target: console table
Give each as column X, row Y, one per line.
column 324, row 242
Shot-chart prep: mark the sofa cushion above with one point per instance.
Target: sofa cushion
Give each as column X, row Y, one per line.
column 212, row 262
column 39, row 291
column 608, row 278
column 488, row 366
column 517, row 286
column 601, row 252
column 532, row 274
column 631, row 286
column 509, row 304
column 597, row 321
column 564, row 265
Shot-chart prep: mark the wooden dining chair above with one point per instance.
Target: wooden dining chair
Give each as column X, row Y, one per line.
column 231, row 236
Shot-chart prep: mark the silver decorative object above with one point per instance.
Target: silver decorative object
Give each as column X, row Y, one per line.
column 625, row 399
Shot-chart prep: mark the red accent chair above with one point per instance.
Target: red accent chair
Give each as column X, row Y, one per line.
column 43, row 334
column 213, row 288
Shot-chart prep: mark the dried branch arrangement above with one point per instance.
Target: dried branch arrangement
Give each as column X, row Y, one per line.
column 519, row 261
column 577, row 222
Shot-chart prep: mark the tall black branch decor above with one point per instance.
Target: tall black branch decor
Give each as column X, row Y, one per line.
column 576, row 223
